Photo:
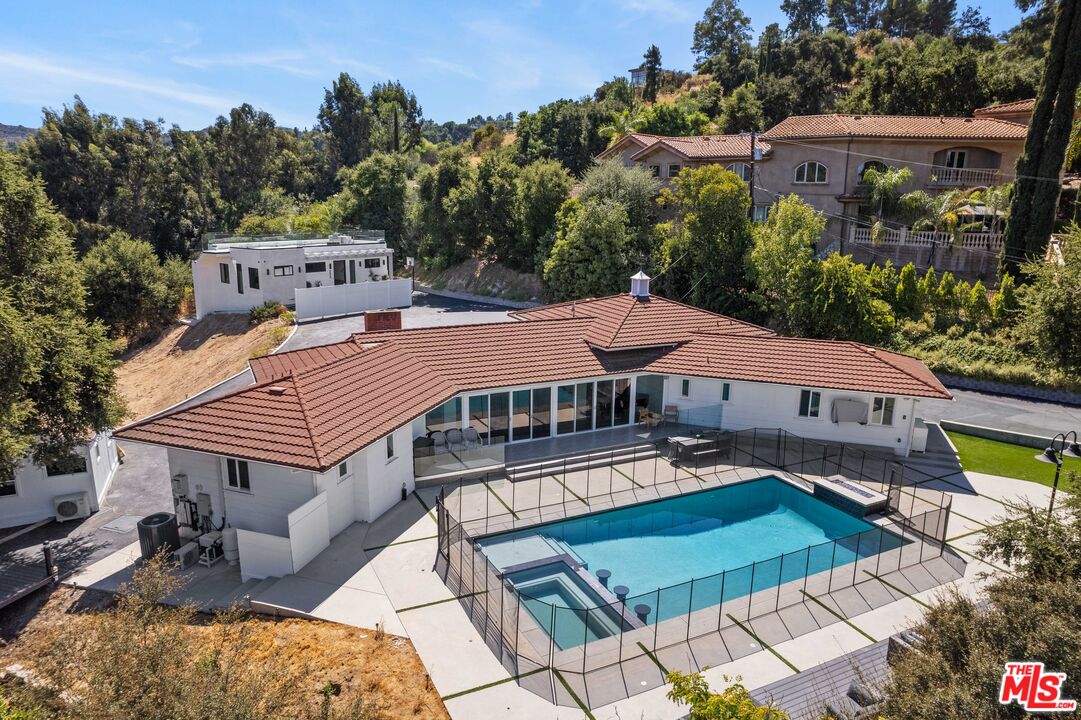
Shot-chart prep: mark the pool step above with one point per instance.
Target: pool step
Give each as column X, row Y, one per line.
column 573, row 463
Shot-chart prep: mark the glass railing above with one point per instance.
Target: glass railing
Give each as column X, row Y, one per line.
column 458, row 459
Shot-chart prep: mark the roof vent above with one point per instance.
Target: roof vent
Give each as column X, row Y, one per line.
column 276, row 390
column 640, row 285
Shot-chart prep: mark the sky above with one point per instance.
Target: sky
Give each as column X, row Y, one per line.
column 189, row 62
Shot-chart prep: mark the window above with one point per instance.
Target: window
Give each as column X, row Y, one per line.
column 583, row 417
column 565, row 409
column 956, row 158
column 373, row 262
column 810, row 173
column 253, row 278
column 882, row 411
column 237, row 474
column 809, row 400
column 240, row 278
column 283, row 270
column 673, row 170
column 542, row 412
column 310, row 267
column 876, row 165
column 741, row 169
column 7, row 482
column 223, row 272
column 655, row 170
column 390, row 447
column 66, row 465
column 685, row 388
column 519, row 415
column 446, row 416
column 725, row 392
column 343, row 470
column 761, row 213
column 352, row 272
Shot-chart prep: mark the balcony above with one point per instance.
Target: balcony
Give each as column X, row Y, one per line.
column 951, row 177
column 991, row 242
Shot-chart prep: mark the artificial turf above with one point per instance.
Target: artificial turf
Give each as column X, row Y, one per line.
column 1008, row 460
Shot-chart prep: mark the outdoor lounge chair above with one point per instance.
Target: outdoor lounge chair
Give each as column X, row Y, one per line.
column 649, row 419
column 671, row 412
column 439, row 441
column 472, row 437
column 455, row 439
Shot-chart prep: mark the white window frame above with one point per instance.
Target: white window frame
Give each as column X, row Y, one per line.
column 685, row 387
column 806, row 167
column 952, row 156
column 343, row 471
column 390, row 448
column 241, row 478
column 283, row 270
column 876, row 416
column 677, row 166
column 814, row 404
column 744, row 173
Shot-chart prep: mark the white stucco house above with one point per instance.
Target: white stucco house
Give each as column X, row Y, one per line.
column 67, row 491
column 336, row 434
column 236, row 274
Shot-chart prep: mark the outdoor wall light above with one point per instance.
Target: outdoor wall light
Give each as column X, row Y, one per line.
column 1053, row 456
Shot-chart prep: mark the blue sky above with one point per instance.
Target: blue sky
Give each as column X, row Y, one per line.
column 188, row 62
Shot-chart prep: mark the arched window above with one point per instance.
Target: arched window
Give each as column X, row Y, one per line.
column 741, row 169
column 876, row 165
column 810, row 172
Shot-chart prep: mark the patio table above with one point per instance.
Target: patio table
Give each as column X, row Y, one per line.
column 685, row 447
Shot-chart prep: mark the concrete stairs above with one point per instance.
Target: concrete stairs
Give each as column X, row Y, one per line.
column 582, row 461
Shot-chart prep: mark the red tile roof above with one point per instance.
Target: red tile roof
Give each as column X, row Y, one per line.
column 1010, row 107
column 705, row 147
column 895, row 126
column 316, row 407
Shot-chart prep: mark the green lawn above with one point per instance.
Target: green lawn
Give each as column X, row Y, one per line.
column 1016, row 461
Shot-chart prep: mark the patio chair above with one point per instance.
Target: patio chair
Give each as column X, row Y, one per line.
column 439, row 441
column 455, row 439
column 650, row 420
column 472, row 437
column 671, row 412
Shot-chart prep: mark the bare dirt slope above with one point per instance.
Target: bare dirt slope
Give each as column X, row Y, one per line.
column 188, row 359
column 384, row 668
column 485, row 277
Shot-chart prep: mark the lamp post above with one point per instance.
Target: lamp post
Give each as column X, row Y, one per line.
column 1053, row 456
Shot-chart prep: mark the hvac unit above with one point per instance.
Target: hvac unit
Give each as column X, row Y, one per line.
column 187, row 555
column 72, row 506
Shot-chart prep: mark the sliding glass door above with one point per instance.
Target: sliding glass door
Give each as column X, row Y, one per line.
column 542, row 412
column 519, row 415
column 565, row 409
column 583, row 415
column 499, row 416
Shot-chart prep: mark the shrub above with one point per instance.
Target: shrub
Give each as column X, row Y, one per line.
column 269, row 310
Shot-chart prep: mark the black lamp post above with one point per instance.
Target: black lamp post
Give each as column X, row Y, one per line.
column 1053, row 456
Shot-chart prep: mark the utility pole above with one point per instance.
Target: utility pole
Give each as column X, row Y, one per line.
column 754, row 135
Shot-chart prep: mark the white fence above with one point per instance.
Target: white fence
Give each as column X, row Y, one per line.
column 330, row 300
column 263, row 555
column 970, row 241
column 963, row 177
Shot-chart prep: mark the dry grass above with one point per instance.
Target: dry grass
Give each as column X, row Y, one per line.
column 484, row 277
column 384, row 669
column 187, row 359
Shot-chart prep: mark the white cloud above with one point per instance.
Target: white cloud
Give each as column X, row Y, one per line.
column 287, row 61
column 446, row 66
column 27, row 68
column 666, row 11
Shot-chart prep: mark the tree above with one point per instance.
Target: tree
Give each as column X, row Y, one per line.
column 938, row 16
column 57, row 384
column 623, row 123
column 542, row 187
column 803, row 15
column 742, row 111
column 845, row 304
column 1051, row 315
column 783, row 265
column 128, row 289
column 592, row 253
column 703, row 259
column 942, row 213
column 347, row 119
column 633, row 188
column 1035, row 194
column 733, row 703
column 853, row 16
column 722, row 44
column 377, row 188
column 670, row 119
column 486, row 138
column 902, row 18
column 885, row 195
column 1031, row 614
column 398, row 115
column 244, row 151
column 566, row 131
column 653, row 74
column 434, row 186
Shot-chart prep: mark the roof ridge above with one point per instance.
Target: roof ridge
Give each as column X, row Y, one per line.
column 873, row 353
column 615, row 333
column 307, row 419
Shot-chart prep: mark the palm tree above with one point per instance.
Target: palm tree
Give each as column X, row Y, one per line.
column 940, row 213
column 997, row 201
column 622, row 124
column 885, row 194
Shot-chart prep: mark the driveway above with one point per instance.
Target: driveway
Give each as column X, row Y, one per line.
column 1006, row 413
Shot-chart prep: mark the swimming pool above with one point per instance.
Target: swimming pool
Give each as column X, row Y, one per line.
column 732, row 541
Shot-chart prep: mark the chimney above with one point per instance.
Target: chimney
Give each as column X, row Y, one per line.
column 640, row 286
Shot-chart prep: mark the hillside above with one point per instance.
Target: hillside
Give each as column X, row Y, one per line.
column 12, row 134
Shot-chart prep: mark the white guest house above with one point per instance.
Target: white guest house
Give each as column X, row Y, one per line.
column 335, row 434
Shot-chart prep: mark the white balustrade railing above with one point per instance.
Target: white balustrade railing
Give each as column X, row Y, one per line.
column 963, row 177
column 927, row 238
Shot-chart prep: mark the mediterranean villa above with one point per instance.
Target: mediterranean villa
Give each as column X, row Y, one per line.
column 822, row 158
column 340, row 433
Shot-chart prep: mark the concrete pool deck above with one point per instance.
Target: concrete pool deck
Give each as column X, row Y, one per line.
column 387, row 573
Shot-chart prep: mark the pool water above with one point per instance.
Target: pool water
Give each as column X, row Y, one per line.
column 732, row 540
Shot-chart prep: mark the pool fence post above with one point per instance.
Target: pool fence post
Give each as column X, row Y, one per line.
column 517, row 622
column 540, row 482
column 690, row 603
column 901, row 547
column 585, row 649
column 750, row 590
column 551, row 652
column 611, row 475
column 807, row 569
column 487, row 499
column 656, row 618
column 856, row 562
column 754, row 447
column 833, row 561
column 780, row 574
column 720, row 601
column 589, row 471
column 513, row 492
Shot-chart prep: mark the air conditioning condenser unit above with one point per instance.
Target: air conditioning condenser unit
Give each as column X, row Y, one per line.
column 72, row 506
